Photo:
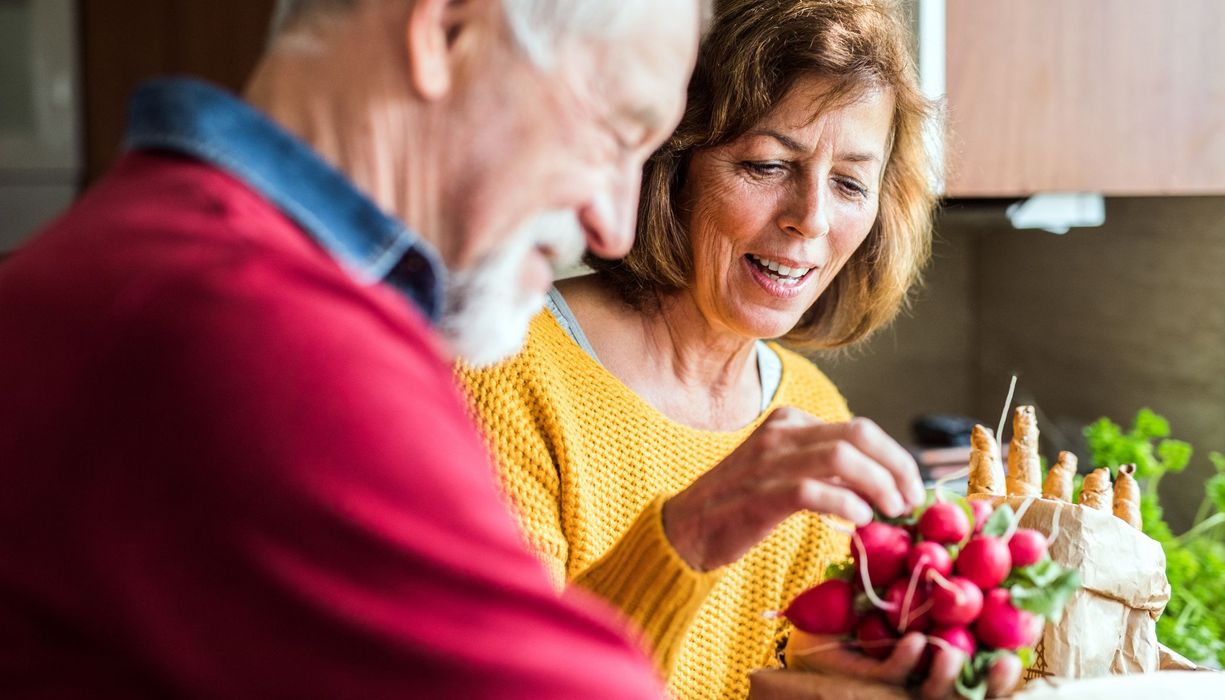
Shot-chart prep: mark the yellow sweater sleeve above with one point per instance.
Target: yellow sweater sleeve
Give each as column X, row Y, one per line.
column 641, row 574
column 645, row 577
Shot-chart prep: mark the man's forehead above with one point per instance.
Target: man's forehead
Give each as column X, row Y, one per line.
column 652, row 66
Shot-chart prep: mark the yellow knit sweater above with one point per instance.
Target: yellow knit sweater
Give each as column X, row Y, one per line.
column 587, row 465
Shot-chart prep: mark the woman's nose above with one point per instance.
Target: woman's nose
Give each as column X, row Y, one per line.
column 808, row 213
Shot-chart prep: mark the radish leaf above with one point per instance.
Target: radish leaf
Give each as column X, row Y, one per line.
column 1043, row 588
column 999, row 522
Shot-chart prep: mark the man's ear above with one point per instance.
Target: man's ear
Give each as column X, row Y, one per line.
column 431, row 38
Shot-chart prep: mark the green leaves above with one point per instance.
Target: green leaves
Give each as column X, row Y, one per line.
column 1149, row 425
column 1175, row 455
column 972, row 681
column 1218, row 461
column 843, row 570
column 1042, row 588
column 999, row 522
column 1112, row 447
column 1194, row 620
column 1215, row 488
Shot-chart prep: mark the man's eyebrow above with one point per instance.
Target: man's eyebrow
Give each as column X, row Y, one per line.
column 647, row 116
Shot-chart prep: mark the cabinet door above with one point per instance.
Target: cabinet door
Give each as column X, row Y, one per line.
column 126, row 43
column 1123, row 97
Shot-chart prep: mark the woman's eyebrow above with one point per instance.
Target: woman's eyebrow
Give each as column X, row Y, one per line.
column 796, row 146
column 788, row 142
column 859, row 157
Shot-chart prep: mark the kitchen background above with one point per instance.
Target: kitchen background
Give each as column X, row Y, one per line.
column 1121, row 99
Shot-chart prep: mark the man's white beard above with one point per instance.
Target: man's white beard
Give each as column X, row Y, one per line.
column 487, row 312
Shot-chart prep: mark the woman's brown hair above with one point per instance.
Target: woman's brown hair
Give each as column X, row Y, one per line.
column 755, row 53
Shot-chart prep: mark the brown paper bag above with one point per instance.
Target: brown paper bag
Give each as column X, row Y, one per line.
column 1109, row 627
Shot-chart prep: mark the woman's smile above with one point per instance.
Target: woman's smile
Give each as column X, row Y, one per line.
column 777, row 278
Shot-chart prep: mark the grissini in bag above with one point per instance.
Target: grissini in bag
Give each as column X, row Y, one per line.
column 1096, row 492
column 1058, row 484
column 1127, row 496
column 1024, row 464
column 986, row 471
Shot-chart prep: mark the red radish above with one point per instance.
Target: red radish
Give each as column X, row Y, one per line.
column 946, row 523
column 957, row 604
column 824, row 609
column 875, row 637
column 1003, row 626
column 982, row 511
column 958, row 637
column 930, row 556
column 1027, row 547
column 886, row 547
column 985, row 561
column 917, row 617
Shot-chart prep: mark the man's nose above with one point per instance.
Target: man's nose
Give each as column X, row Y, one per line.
column 610, row 217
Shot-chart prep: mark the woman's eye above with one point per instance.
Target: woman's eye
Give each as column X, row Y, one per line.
column 851, row 187
column 764, row 168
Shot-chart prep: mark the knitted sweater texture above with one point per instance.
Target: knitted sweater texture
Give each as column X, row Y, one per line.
column 587, row 465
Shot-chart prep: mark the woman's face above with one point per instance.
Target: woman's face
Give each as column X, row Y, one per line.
column 774, row 215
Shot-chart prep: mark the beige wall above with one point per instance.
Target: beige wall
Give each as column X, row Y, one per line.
column 920, row 364
column 1097, row 322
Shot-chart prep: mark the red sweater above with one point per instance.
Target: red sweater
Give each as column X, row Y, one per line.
column 231, row 471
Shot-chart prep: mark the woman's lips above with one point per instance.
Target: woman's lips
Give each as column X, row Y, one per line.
column 774, row 284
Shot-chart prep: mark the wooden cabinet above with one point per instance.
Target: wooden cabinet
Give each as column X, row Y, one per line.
column 1122, row 97
column 126, row 43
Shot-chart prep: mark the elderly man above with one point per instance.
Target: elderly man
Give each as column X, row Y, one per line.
column 234, row 463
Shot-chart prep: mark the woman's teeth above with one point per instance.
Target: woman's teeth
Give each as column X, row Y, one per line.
column 778, row 271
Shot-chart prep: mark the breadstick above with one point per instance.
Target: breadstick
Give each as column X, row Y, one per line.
column 1024, row 465
column 1058, row 484
column 986, row 472
column 1096, row 492
column 1127, row 496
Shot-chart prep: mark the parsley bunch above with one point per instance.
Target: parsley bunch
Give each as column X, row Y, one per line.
column 1194, row 621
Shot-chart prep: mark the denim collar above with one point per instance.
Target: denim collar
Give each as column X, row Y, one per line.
column 196, row 119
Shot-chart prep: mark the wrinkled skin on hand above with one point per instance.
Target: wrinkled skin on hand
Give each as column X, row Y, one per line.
column 831, row 655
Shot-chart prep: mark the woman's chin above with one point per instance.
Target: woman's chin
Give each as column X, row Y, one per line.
column 768, row 329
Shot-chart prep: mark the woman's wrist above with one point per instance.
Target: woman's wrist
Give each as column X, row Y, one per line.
column 683, row 530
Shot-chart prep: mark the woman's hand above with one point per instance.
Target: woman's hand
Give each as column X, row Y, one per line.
column 813, row 652
column 792, row 462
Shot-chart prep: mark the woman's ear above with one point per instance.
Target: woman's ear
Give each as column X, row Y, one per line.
column 431, row 35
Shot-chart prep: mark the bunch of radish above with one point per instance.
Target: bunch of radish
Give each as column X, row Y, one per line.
column 958, row 571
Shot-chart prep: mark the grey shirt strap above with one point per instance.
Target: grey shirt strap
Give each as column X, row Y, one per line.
column 769, row 364
column 565, row 318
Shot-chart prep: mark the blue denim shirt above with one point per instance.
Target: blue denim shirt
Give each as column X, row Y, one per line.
column 196, row 119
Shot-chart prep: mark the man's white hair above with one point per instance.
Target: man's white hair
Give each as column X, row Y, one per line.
column 538, row 26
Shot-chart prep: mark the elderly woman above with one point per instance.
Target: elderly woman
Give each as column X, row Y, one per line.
column 657, row 451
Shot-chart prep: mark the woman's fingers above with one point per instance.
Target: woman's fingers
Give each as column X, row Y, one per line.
column 867, row 437
column 837, row 656
column 1004, row 676
column 833, row 655
column 792, row 462
column 843, row 463
column 877, row 445
column 820, row 497
column 942, row 674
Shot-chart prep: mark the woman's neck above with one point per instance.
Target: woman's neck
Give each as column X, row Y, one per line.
column 691, row 371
